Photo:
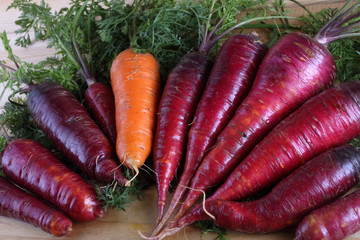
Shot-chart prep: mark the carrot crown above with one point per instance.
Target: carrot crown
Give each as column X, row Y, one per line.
column 345, row 23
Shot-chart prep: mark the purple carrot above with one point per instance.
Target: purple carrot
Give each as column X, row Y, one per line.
column 177, row 106
column 334, row 221
column 22, row 206
column 230, row 80
column 33, row 167
column 67, row 124
column 99, row 99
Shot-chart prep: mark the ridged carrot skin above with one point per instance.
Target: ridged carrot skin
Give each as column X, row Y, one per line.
column 33, row 167
column 294, row 69
column 100, row 102
column 67, row 124
column 229, row 82
column 180, row 97
column 135, row 81
column 22, row 206
column 334, row 221
column 317, row 182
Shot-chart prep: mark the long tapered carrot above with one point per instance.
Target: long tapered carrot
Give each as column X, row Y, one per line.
column 135, row 81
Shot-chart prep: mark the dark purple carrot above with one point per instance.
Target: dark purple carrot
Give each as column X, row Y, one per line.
column 33, row 167
column 22, row 206
column 99, row 97
column 319, row 181
column 296, row 68
column 99, row 100
column 334, row 221
column 67, row 124
column 230, row 80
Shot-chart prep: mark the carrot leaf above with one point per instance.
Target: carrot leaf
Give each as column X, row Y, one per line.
column 208, row 227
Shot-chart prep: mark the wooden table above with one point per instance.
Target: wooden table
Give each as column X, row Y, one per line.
column 140, row 215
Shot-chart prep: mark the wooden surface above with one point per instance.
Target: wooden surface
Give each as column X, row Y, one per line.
column 140, row 215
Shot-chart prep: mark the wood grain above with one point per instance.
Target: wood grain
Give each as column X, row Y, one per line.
column 139, row 215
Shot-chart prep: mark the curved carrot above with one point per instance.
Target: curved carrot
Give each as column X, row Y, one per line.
column 135, row 82
column 334, row 221
column 229, row 81
column 22, row 206
column 319, row 181
column 33, row 167
column 66, row 123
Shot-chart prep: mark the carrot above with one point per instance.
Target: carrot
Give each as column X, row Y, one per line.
column 135, row 81
column 33, row 167
column 99, row 97
column 317, row 182
column 67, row 124
column 22, row 206
column 176, row 110
column 327, row 120
column 334, row 221
column 229, row 81
column 100, row 101
column 296, row 68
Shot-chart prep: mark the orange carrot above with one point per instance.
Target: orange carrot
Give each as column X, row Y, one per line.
column 135, row 81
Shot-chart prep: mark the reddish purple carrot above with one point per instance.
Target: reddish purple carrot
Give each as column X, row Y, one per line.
column 319, row 181
column 182, row 92
column 229, row 81
column 334, row 221
column 296, row 68
column 33, row 167
column 22, row 206
column 67, row 124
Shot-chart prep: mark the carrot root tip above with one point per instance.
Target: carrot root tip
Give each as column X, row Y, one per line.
column 128, row 183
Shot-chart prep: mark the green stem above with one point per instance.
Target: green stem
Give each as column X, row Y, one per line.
column 208, row 21
column 80, row 60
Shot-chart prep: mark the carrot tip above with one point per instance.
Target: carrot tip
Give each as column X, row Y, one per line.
column 144, row 237
column 128, row 183
column 99, row 212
